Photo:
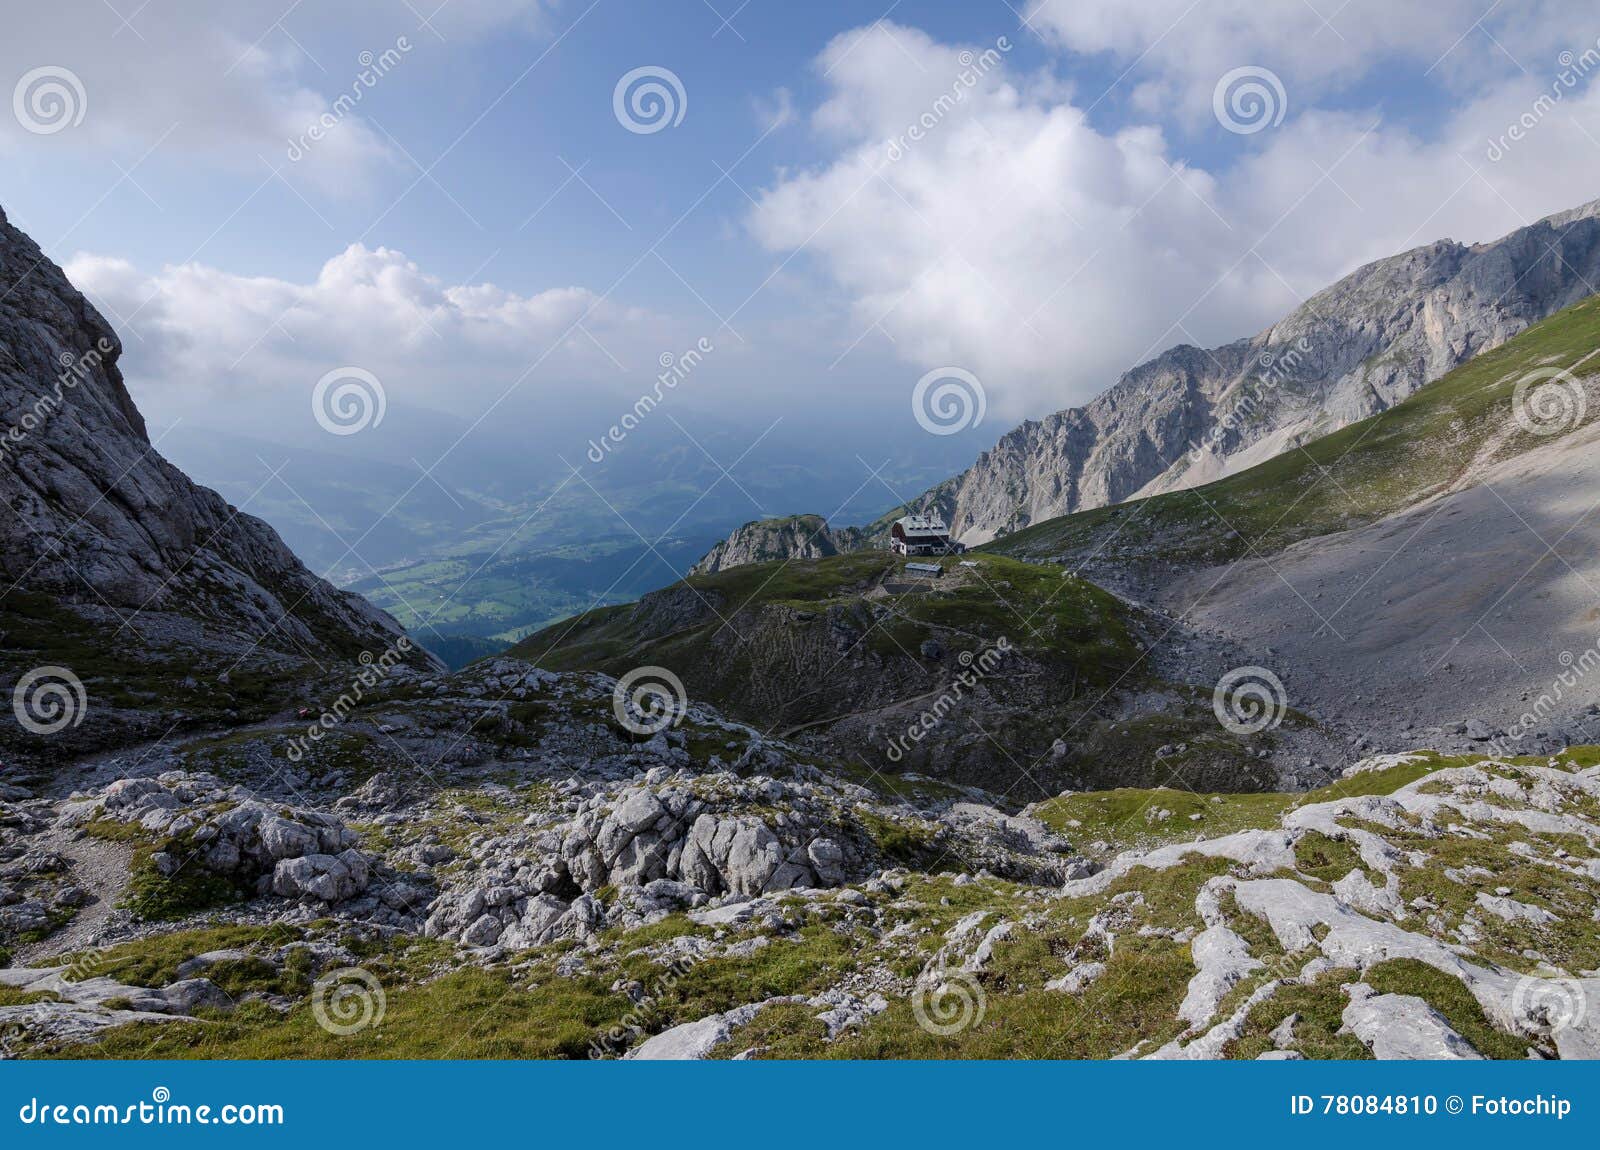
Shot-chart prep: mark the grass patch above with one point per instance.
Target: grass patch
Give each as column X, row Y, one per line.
column 1122, row 817
column 1446, row 994
column 154, row 961
column 1320, row 1005
column 157, row 897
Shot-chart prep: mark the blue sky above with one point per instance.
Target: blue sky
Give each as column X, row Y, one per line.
column 551, row 107
column 1084, row 206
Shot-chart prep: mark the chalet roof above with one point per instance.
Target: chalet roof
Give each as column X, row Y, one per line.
column 924, row 525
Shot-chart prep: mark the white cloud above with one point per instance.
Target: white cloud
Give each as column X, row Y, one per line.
column 1315, row 47
column 197, row 337
column 227, row 84
column 1019, row 241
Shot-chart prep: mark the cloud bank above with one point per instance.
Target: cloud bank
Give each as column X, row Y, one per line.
column 983, row 217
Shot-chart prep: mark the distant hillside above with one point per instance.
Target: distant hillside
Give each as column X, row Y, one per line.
column 763, row 540
column 850, row 652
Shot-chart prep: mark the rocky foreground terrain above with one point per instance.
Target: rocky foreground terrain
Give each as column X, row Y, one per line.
column 498, row 864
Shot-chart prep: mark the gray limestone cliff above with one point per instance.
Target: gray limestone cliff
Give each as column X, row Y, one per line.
column 102, row 536
column 1192, row 415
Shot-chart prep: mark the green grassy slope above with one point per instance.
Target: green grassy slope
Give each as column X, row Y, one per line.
column 851, row 650
column 1356, row 475
column 1065, row 622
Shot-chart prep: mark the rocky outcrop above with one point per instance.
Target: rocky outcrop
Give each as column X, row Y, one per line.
column 97, row 518
column 1191, row 415
column 664, row 844
column 795, row 537
column 197, row 821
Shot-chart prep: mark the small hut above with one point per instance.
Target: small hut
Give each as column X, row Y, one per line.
column 922, row 535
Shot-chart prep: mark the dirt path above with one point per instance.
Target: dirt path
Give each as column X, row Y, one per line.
column 99, row 867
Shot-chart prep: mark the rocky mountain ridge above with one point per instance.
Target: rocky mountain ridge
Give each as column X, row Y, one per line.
column 1193, row 415
column 106, row 549
column 792, row 537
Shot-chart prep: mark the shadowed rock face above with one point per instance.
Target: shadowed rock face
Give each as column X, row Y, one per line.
column 95, row 517
column 797, row 537
column 1191, row 416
